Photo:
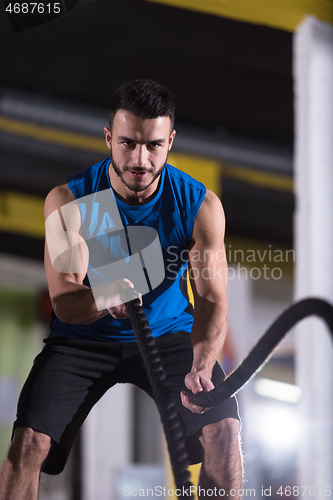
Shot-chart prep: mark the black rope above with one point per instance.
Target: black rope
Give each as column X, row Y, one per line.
column 170, row 417
column 263, row 350
column 255, row 360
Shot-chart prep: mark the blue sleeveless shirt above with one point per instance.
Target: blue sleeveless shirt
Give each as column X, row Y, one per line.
column 171, row 214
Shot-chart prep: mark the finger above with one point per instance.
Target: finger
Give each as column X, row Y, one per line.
column 190, row 406
column 118, row 313
column 192, row 382
column 206, row 384
column 119, row 316
column 125, row 283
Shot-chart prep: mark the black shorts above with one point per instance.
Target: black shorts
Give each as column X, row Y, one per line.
column 69, row 376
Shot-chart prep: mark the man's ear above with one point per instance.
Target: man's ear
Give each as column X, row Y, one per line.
column 171, row 139
column 108, row 137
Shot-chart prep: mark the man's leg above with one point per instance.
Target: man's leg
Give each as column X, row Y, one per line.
column 20, row 471
column 222, row 466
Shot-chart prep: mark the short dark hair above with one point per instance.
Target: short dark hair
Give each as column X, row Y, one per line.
column 143, row 98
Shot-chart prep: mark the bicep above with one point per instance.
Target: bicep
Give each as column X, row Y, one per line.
column 208, row 268
column 66, row 252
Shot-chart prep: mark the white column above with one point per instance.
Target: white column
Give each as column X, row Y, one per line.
column 313, row 75
column 243, row 335
column 107, row 443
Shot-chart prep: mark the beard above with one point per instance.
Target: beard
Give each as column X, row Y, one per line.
column 135, row 187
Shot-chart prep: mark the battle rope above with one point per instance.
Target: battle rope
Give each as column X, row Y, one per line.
column 170, row 418
column 263, row 350
column 247, row 369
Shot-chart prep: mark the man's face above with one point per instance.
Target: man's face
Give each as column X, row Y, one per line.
column 139, row 150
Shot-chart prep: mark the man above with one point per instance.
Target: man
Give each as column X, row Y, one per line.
column 92, row 346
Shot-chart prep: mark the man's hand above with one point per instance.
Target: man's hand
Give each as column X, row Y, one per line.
column 119, row 311
column 197, row 381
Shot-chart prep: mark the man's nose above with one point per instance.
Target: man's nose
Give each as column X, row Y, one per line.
column 140, row 155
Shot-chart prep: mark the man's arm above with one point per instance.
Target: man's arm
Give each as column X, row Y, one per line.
column 208, row 273
column 72, row 301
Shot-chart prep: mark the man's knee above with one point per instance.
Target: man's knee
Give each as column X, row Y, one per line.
column 225, row 432
column 29, row 448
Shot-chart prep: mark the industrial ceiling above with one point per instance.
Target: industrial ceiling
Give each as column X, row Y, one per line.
column 232, row 82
